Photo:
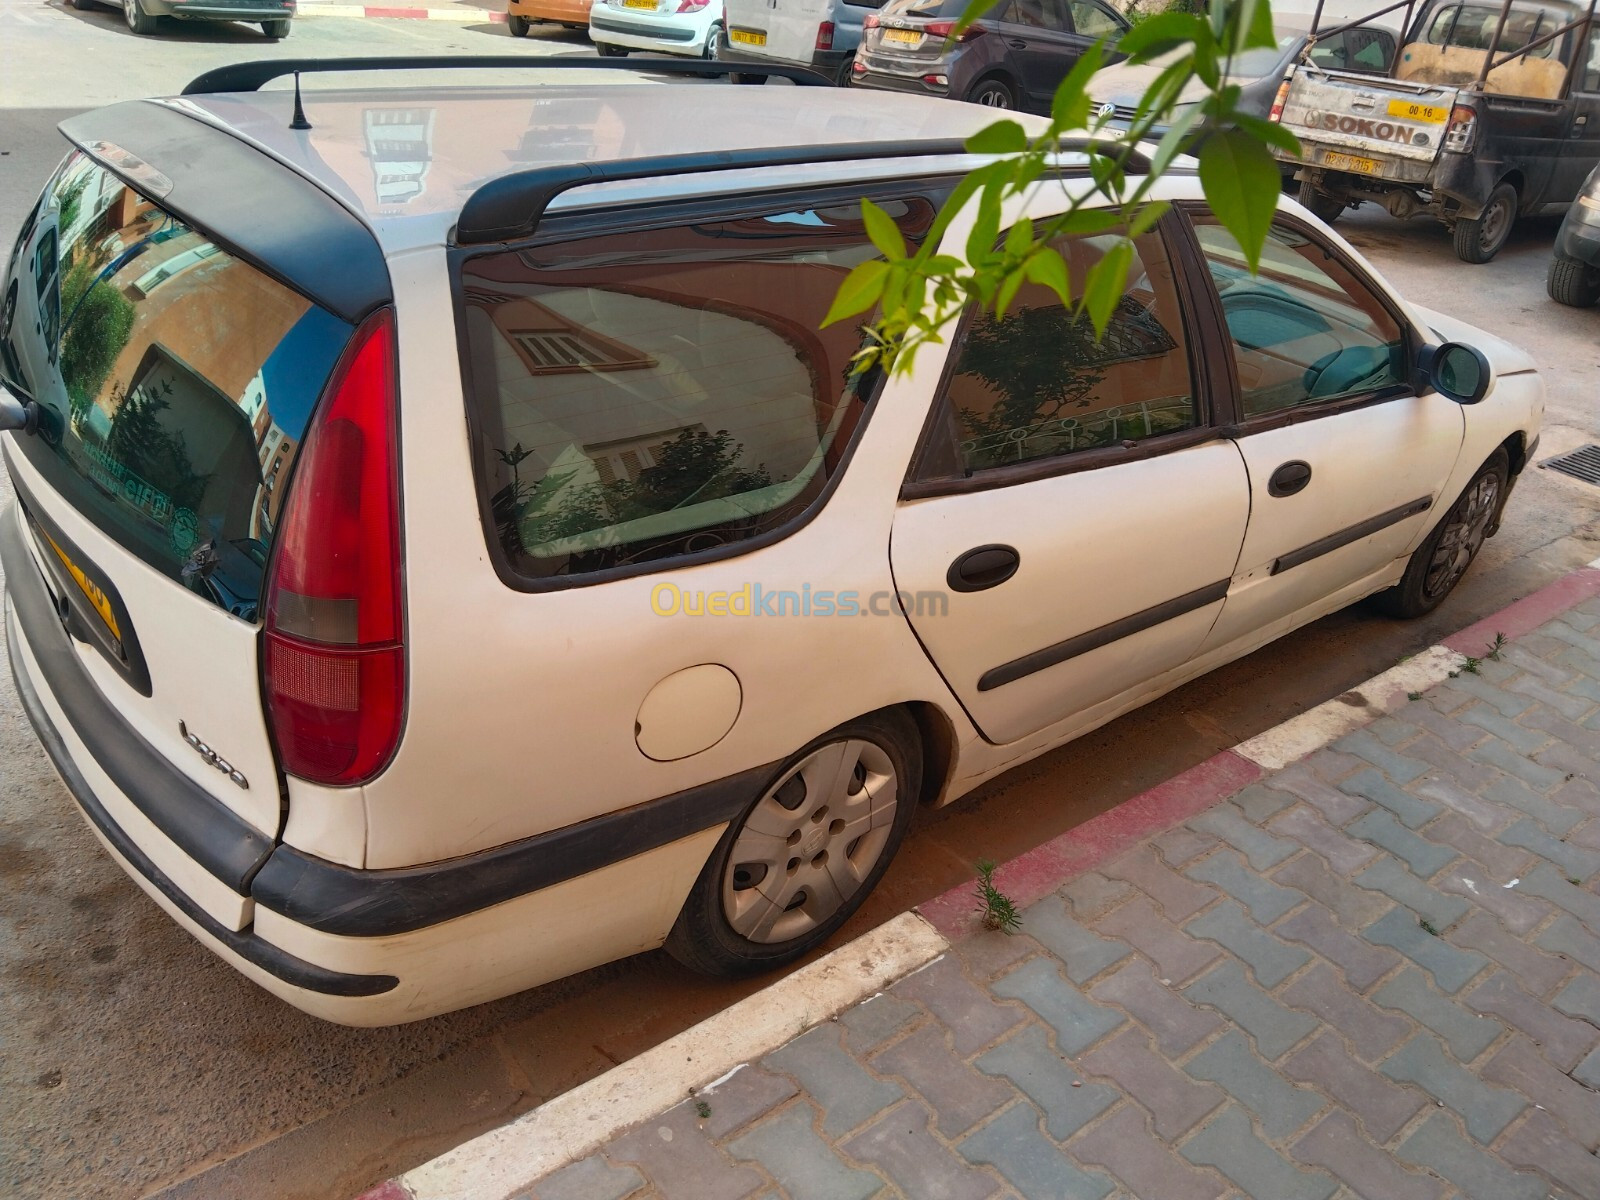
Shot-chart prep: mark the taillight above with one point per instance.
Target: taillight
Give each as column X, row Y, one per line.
column 825, row 36
column 945, row 29
column 334, row 675
column 1278, row 101
column 1462, row 130
column 687, row 6
column 870, row 21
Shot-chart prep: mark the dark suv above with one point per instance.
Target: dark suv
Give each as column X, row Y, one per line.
column 1013, row 57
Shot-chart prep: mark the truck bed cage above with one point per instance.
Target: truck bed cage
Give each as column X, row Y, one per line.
column 249, row 76
column 512, row 206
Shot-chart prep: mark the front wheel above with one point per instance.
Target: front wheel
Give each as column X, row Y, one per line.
column 1570, row 281
column 1480, row 239
column 517, row 26
column 790, row 870
column 276, row 30
column 140, row 23
column 1442, row 559
column 992, row 93
column 609, row 51
column 1324, row 207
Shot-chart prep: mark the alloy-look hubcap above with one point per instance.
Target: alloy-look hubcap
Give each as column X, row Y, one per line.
column 1463, row 536
column 810, row 843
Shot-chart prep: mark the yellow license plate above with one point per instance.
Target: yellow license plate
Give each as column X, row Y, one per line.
column 1349, row 162
column 906, row 37
column 97, row 598
column 747, row 37
column 650, row 4
column 1407, row 110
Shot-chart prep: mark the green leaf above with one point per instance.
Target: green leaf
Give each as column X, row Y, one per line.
column 1088, row 221
column 1147, row 216
column 1268, row 131
column 1255, row 24
column 1241, row 184
column 859, row 291
column 1154, row 37
column 1048, row 269
column 985, row 228
column 1070, row 108
column 1008, row 291
column 1174, row 140
column 1003, row 137
column 885, row 234
column 1019, row 238
column 1105, row 283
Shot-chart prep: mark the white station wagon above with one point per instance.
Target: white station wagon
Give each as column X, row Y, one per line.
column 434, row 576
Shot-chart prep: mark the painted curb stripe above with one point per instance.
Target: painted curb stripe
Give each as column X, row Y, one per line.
column 505, row 1161
column 473, row 17
column 1530, row 612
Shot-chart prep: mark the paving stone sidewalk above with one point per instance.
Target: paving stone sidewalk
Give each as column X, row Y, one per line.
column 1375, row 973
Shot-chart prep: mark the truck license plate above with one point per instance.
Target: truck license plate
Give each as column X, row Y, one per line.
column 747, row 37
column 1409, row 110
column 1349, row 162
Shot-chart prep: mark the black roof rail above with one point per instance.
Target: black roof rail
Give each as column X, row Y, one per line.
column 511, row 207
column 249, row 76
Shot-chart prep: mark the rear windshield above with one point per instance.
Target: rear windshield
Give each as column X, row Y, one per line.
column 176, row 380
column 1473, row 27
column 662, row 393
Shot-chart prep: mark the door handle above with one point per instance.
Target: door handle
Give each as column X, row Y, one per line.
column 1290, row 478
column 1016, row 43
column 982, row 567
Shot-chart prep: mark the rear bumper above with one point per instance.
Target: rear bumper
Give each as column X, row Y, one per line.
column 910, row 84
column 638, row 34
column 357, row 947
column 835, row 64
column 264, row 11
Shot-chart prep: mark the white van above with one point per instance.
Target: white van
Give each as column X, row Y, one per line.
column 821, row 34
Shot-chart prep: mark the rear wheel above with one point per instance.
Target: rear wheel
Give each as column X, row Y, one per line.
column 1323, row 206
column 1480, row 239
column 1443, row 558
column 609, row 51
column 517, row 26
column 1572, row 282
column 713, row 40
column 276, row 30
column 992, row 93
column 802, row 858
column 139, row 22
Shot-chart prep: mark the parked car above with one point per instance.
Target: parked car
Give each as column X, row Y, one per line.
column 1574, row 276
column 521, row 15
column 1015, row 56
column 1492, row 111
column 820, row 34
column 416, row 626
column 144, row 16
column 689, row 27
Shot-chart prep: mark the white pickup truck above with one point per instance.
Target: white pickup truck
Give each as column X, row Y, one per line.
column 1490, row 110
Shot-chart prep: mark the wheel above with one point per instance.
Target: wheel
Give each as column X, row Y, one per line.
column 276, row 30
column 794, row 866
column 1572, row 282
column 1325, row 207
column 713, row 36
column 140, row 22
column 517, row 26
column 992, row 93
column 1480, row 239
column 609, row 51
column 1441, row 560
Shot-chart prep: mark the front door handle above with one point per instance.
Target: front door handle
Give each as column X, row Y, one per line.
column 982, row 567
column 1017, row 43
column 1290, row 478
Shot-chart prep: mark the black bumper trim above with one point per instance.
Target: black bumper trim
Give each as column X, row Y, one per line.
column 217, row 838
column 355, row 903
column 278, row 963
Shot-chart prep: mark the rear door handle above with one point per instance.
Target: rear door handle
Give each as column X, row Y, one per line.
column 1016, row 43
column 1290, row 478
column 982, row 567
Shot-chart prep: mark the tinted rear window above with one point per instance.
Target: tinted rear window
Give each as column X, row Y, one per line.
column 656, row 394
column 176, row 379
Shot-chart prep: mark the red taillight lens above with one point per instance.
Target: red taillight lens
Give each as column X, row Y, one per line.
column 1278, row 101
column 688, row 6
column 825, row 36
column 945, row 29
column 335, row 659
column 870, row 21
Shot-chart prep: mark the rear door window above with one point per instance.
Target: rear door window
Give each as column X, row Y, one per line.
column 176, row 379
column 664, row 393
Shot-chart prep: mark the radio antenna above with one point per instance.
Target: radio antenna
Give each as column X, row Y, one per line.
column 299, row 120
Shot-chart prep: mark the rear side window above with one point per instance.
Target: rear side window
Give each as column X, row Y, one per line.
column 176, row 380
column 650, row 395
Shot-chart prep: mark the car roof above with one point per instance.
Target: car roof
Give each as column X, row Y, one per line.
column 406, row 159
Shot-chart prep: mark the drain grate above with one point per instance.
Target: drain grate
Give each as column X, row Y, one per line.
column 1582, row 463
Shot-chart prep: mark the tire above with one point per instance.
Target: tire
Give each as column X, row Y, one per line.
column 1570, row 281
column 276, row 30
column 517, row 26
column 1324, row 207
column 140, row 23
column 730, row 925
column 713, row 36
column 992, row 93
column 1480, row 239
column 1443, row 558
column 607, row 50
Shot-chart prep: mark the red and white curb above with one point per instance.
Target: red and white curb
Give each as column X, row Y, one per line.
column 505, row 1161
column 461, row 16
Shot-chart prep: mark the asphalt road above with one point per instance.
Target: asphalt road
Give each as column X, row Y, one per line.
column 133, row 1063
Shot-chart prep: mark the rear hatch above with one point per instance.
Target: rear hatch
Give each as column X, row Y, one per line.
column 911, row 37
column 176, row 382
column 784, row 30
column 1382, row 127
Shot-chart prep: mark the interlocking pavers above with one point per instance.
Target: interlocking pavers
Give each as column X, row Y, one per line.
column 1336, row 1145
column 1546, row 882
column 1580, row 998
column 588, row 1179
column 1382, row 1106
column 1379, row 827
column 1176, row 1024
column 1308, row 827
column 1229, row 1143
column 1438, row 1146
column 968, row 1011
column 1182, row 844
column 1396, row 766
column 750, row 1093
column 1178, row 897
column 1061, row 1093
column 1451, row 968
column 1369, row 1030
column 1515, row 794
column 1564, row 1040
column 1123, row 1146
column 960, row 1096
column 1467, row 1033
column 1083, row 953
column 1481, row 932
column 1377, row 787
column 899, row 1145
column 1539, row 1143
column 1518, row 913
column 1303, row 780
column 1393, row 880
column 1353, row 906
column 1262, row 849
column 1520, row 1067
column 1272, row 961
column 681, row 1164
column 1574, row 861
column 987, row 953
column 846, row 1091
column 876, row 1020
column 1484, row 1109
column 1446, row 793
column 1274, row 1027
column 1078, row 1021
column 1232, row 1064
column 1523, row 740
column 1030, row 1162
column 1090, row 894
column 1176, row 955
column 1260, row 801
column 1173, row 1099
column 1587, row 1072
column 1363, row 964
column 1566, row 936
column 802, row 1163
column 1265, row 899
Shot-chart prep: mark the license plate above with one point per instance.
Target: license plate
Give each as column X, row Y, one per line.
column 1349, row 162
column 1410, row 111
column 98, row 600
column 906, row 37
column 650, row 4
column 747, row 37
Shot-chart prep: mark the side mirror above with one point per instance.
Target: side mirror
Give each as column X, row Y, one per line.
column 21, row 415
column 1456, row 370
